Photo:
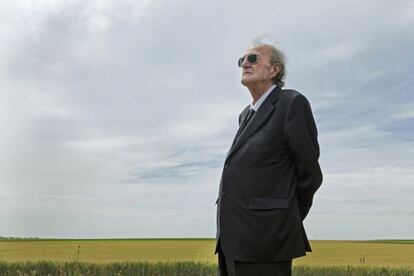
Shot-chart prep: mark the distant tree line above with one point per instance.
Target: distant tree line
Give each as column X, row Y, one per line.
column 18, row 238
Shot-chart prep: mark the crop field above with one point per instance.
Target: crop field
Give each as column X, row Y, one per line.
column 378, row 253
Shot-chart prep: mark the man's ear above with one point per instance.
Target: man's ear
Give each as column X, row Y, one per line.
column 275, row 70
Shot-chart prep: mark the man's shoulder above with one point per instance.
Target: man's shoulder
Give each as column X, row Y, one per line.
column 290, row 94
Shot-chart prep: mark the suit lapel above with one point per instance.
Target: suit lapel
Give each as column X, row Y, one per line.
column 245, row 113
column 259, row 118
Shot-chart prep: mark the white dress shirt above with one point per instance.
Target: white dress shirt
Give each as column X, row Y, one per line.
column 257, row 104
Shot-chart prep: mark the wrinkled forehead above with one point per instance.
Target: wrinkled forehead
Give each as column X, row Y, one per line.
column 262, row 50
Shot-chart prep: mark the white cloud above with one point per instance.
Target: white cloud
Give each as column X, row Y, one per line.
column 342, row 51
column 409, row 11
column 406, row 112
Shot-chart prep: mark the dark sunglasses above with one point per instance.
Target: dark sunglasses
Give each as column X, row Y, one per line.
column 250, row 58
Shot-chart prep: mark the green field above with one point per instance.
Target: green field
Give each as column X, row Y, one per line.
column 382, row 253
column 189, row 268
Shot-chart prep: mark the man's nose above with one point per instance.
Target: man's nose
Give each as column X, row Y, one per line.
column 246, row 64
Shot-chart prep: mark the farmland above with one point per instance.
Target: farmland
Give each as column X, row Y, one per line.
column 380, row 253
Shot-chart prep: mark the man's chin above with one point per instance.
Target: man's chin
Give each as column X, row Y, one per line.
column 246, row 81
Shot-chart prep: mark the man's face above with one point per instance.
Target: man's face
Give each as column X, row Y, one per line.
column 259, row 72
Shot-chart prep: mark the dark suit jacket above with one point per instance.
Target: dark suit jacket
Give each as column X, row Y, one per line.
column 270, row 175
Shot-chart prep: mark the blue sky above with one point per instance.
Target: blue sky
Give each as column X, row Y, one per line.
column 117, row 115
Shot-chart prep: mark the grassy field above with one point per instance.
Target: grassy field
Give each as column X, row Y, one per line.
column 325, row 253
column 49, row 268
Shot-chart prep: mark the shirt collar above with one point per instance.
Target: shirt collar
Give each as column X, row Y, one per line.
column 257, row 104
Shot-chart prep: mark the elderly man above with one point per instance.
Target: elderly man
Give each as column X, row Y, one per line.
column 270, row 174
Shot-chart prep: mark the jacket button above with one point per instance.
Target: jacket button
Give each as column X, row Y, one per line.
column 226, row 166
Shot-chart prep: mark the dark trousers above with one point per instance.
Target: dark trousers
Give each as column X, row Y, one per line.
column 229, row 267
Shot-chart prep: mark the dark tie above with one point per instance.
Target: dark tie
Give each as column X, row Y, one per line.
column 245, row 121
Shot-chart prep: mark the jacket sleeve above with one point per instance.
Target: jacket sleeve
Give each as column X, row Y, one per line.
column 301, row 135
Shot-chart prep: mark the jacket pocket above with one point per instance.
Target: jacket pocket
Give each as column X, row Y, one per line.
column 268, row 203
